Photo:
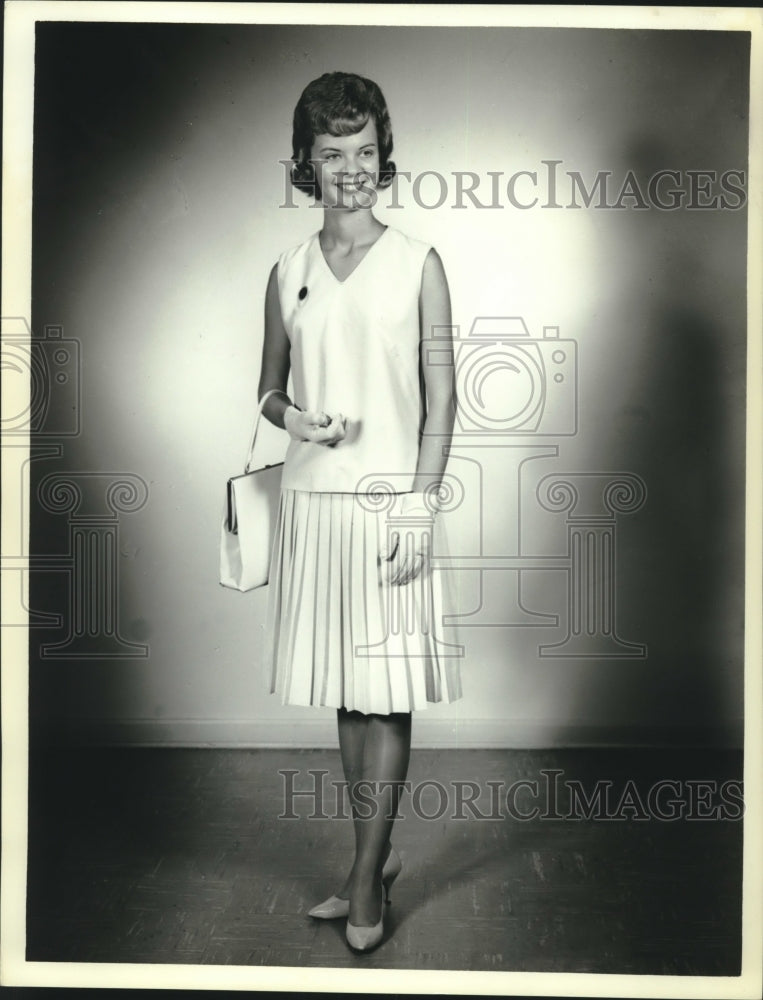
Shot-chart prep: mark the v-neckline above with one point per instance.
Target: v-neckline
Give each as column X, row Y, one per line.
column 342, row 281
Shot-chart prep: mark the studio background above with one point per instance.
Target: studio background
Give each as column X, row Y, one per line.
column 156, row 213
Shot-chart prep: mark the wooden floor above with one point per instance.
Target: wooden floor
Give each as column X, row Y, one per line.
column 178, row 856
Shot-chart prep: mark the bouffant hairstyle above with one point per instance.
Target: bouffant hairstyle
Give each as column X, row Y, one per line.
column 338, row 104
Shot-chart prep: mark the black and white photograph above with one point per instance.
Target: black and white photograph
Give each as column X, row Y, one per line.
column 381, row 557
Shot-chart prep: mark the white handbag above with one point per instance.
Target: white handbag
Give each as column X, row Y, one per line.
column 249, row 521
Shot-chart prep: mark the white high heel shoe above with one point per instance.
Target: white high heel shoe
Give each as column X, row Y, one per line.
column 335, row 907
column 367, row 938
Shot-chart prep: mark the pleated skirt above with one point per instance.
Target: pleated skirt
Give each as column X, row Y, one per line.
column 337, row 634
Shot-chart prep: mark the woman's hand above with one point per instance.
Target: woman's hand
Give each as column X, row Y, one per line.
column 408, row 552
column 310, row 425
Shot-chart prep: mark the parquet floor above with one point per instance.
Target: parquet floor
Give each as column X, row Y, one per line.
column 178, row 856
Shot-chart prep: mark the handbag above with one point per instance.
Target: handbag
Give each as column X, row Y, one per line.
column 249, row 521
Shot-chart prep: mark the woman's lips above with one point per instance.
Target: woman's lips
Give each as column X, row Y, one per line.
column 361, row 184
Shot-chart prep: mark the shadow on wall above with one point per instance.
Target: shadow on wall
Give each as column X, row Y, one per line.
column 683, row 429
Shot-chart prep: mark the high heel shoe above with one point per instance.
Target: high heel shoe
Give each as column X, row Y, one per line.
column 335, row 907
column 367, row 938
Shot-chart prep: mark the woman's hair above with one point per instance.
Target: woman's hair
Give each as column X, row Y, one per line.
column 338, row 104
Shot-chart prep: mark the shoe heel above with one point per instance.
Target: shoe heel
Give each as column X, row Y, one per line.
column 387, row 885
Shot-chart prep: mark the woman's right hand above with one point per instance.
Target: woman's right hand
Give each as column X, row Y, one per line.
column 310, row 425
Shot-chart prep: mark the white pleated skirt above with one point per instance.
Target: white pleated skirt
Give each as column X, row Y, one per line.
column 337, row 634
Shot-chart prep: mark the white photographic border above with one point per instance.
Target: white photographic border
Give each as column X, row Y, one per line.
column 20, row 18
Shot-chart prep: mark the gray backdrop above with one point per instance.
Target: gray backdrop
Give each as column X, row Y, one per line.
column 156, row 220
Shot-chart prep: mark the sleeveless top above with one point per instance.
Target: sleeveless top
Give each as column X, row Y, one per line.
column 355, row 351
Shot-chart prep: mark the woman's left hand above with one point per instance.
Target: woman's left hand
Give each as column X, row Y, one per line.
column 410, row 545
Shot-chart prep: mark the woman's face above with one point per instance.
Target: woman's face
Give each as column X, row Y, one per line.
column 347, row 168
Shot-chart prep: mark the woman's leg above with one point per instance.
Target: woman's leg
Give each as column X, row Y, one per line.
column 386, row 753
column 353, row 727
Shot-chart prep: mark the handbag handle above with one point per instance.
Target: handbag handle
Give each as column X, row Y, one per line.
column 260, row 405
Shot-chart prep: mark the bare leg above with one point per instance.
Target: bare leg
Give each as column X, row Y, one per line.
column 386, row 753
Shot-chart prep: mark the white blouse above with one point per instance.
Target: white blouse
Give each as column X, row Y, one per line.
column 355, row 351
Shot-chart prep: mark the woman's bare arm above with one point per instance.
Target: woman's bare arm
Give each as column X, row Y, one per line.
column 405, row 561
column 439, row 377
column 276, row 363
column 276, row 355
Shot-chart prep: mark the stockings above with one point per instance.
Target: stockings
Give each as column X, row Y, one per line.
column 375, row 752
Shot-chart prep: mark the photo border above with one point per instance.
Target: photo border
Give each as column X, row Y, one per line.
column 20, row 19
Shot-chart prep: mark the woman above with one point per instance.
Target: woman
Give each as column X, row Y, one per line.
column 352, row 598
